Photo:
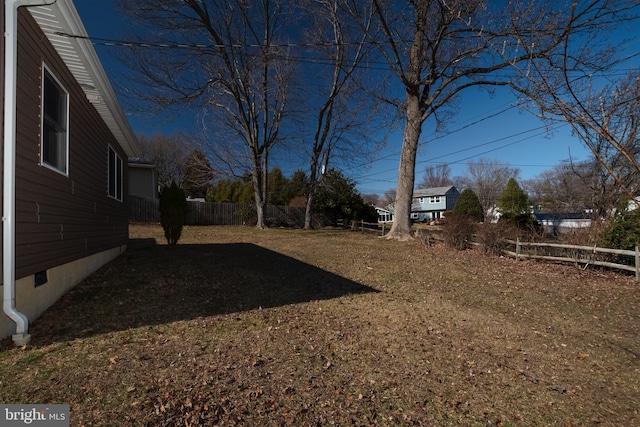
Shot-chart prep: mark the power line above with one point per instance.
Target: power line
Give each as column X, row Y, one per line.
column 480, row 145
column 371, row 65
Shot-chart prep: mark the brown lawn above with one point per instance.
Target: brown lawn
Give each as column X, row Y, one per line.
column 236, row 326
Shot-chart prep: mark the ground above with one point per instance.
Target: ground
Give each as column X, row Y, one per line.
column 237, row 326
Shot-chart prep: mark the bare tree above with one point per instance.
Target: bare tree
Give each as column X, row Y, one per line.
column 583, row 186
column 437, row 49
column 579, row 86
column 198, row 175
column 371, row 199
column 169, row 155
column 230, row 55
column 564, row 188
column 487, row 178
column 436, row 176
column 342, row 115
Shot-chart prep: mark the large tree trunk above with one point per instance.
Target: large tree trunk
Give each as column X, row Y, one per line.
column 313, row 184
column 308, row 217
column 257, row 176
column 401, row 229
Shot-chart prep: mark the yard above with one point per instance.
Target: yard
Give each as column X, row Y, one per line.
column 236, row 326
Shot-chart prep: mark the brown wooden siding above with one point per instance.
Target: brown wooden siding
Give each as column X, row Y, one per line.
column 61, row 218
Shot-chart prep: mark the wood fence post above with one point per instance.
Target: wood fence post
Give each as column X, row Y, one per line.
column 517, row 249
column 637, row 264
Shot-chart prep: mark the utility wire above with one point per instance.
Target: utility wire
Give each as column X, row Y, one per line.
column 371, row 65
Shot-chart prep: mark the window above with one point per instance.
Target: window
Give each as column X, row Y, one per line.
column 434, row 199
column 55, row 121
column 115, row 175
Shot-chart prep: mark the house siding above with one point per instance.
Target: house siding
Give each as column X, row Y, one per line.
column 60, row 218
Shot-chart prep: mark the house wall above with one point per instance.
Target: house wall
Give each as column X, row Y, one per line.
column 452, row 198
column 426, row 204
column 142, row 182
column 60, row 219
column 33, row 301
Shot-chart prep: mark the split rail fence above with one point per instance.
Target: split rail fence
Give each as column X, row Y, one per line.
column 583, row 256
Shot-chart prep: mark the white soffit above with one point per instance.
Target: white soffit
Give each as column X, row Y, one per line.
column 80, row 57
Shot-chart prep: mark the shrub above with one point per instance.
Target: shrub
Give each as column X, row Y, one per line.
column 457, row 231
column 173, row 208
column 623, row 232
column 492, row 236
column 249, row 215
column 526, row 223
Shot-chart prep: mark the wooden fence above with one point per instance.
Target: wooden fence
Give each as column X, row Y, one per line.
column 628, row 260
column 586, row 255
column 199, row 213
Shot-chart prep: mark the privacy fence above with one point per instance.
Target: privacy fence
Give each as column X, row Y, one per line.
column 201, row 213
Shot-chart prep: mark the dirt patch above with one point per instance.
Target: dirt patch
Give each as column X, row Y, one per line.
column 237, row 326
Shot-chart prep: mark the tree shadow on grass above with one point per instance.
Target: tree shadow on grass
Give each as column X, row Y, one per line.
column 150, row 285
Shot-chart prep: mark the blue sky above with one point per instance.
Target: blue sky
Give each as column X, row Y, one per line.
column 512, row 137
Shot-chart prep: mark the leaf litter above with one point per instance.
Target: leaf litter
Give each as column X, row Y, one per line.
column 236, row 326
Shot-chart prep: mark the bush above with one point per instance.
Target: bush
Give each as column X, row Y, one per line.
column 526, row 223
column 173, row 208
column 458, row 231
column 492, row 236
column 623, row 232
column 249, row 215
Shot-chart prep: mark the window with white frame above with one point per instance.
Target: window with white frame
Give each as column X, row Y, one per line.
column 115, row 175
column 55, row 123
column 434, row 199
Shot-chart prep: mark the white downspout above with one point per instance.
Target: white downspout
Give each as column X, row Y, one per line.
column 21, row 337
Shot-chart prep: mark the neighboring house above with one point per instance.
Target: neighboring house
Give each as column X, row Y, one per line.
column 430, row 204
column 66, row 145
column 143, row 179
column 562, row 222
column 385, row 215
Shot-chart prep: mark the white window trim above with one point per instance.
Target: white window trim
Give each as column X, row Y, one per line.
column 65, row 172
column 119, row 178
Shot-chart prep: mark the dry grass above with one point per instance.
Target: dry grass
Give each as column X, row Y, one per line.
column 236, row 326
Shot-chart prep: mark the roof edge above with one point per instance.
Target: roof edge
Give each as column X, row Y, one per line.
column 106, row 103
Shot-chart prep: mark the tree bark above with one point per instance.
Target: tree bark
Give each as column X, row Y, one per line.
column 308, row 216
column 401, row 228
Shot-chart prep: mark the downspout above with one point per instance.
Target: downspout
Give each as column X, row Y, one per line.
column 21, row 337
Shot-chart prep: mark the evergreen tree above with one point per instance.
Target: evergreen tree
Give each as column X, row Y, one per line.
column 514, row 200
column 469, row 205
column 238, row 190
column 514, row 206
column 278, row 186
column 623, row 231
column 337, row 198
column 173, row 208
